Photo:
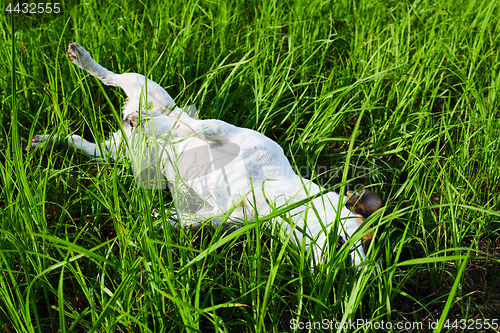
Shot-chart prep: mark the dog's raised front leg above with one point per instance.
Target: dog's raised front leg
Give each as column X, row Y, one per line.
column 80, row 57
column 134, row 85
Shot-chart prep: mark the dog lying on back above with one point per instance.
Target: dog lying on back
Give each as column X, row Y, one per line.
column 237, row 174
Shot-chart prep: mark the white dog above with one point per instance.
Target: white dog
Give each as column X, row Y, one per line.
column 236, row 173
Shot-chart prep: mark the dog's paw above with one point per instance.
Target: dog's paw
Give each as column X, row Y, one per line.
column 158, row 123
column 131, row 121
column 37, row 140
column 78, row 55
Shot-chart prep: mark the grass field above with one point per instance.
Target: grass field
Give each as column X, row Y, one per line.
column 396, row 96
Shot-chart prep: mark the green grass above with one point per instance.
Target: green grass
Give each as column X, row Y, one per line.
column 401, row 96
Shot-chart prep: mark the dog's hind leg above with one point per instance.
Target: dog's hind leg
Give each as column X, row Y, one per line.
column 134, row 85
column 108, row 149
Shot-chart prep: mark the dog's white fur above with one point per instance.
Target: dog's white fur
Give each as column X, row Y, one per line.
column 254, row 182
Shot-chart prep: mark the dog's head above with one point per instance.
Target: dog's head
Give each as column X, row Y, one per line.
column 364, row 203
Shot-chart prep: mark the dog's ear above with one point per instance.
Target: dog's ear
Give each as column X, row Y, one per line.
column 364, row 202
